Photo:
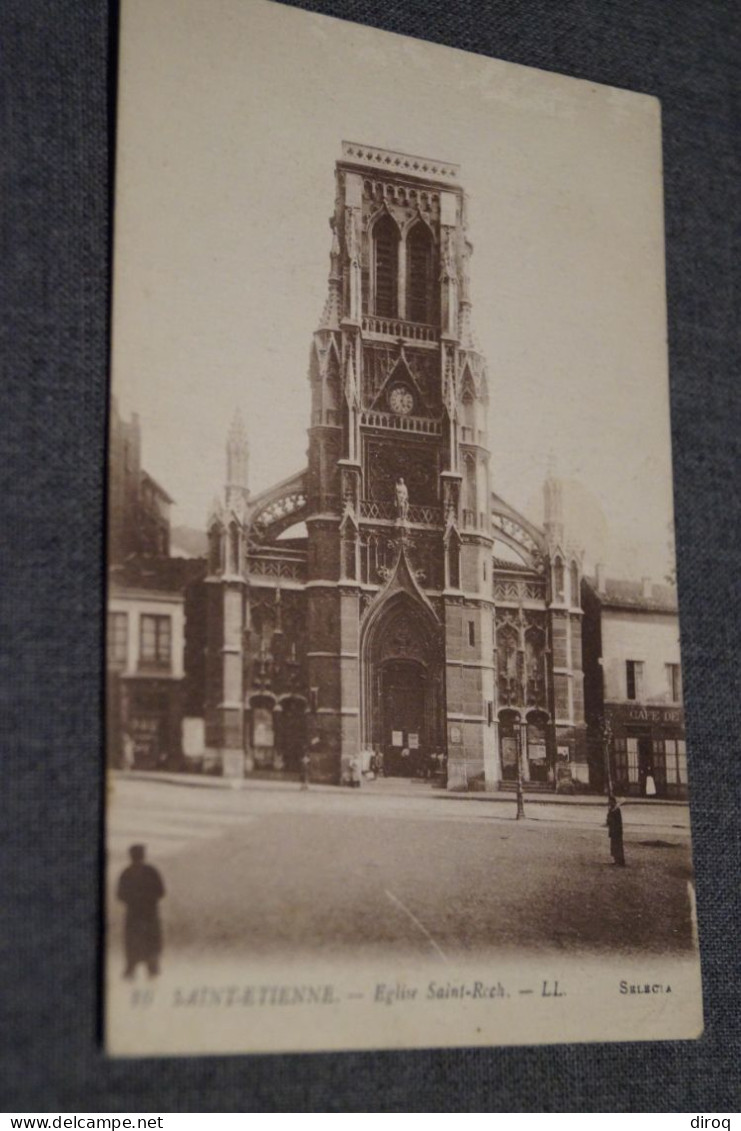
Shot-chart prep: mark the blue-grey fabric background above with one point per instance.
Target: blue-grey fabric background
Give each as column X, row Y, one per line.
column 57, row 70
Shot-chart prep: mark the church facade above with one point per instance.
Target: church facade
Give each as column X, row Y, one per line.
column 415, row 612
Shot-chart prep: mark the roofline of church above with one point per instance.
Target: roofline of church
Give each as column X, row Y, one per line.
column 266, row 492
column 396, row 161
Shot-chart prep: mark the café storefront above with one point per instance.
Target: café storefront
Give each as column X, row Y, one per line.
column 647, row 749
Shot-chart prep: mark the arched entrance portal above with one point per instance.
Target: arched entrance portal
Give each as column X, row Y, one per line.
column 402, row 683
column 275, row 733
column 291, row 732
column 403, row 696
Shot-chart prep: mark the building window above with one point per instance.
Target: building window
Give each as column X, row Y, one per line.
column 634, row 679
column 156, row 641
column 676, row 764
column 386, row 245
column 674, row 679
column 471, row 633
column 117, row 640
column 420, row 274
column 469, row 488
column 633, row 760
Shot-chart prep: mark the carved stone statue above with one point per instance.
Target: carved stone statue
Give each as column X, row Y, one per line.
column 402, row 499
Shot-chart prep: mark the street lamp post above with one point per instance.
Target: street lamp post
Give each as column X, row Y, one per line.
column 520, row 798
column 606, row 743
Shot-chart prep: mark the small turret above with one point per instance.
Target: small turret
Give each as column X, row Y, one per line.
column 553, row 500
column 237, row 464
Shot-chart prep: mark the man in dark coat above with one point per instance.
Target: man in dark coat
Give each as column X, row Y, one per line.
column 615, row 831
column 140, row 888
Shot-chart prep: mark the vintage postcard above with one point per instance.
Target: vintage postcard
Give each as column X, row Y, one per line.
column 395, row 728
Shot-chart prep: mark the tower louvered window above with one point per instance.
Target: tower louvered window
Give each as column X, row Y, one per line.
column 386, row 241
column 420, row 275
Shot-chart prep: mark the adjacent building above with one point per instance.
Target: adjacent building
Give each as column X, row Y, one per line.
column 139, row 508
column 633, row 687
column 145, row 660
column 148, row 592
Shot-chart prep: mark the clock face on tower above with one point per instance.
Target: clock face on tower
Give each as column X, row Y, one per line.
column 401, row 400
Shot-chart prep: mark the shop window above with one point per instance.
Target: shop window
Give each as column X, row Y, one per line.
column 620, row 764
column 631, row 745
column 386, row 250
column 117, row 640
column 669, row 751
column 676, row 762
column 634, row 679
column 155, row 648
column 674, row 679
column 661, row 764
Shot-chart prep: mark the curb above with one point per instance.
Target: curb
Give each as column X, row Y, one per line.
column 205, row 781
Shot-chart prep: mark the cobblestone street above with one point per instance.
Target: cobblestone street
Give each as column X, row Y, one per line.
column 264, row 871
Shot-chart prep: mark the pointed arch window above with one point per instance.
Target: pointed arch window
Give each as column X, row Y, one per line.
column 468, row 413
column 234, row 562
column 453, row 562
column 558, row 577
column 420, row 274
column 386, row 267
column 214, row 549
column 469, row 488
column 575, row 601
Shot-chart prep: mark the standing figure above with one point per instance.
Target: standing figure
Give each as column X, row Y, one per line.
column 305, row 769
column 615, row 831
column 402, row 499
column 129, row 757
column 140, row 888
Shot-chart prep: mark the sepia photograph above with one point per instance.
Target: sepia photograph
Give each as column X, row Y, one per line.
column 395, row 745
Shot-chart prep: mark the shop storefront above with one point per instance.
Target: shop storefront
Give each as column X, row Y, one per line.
column 152, row 713
column 647, row 752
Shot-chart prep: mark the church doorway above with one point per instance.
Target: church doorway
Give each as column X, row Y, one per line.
column 292, row 733
column 403, row 694
column 402, row 686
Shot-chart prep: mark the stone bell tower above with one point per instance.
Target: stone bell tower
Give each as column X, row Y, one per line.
column 399, row 588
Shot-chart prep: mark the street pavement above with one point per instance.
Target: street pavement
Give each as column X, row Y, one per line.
column 265, row 869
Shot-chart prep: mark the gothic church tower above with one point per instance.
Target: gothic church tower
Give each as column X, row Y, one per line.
column 399, row 597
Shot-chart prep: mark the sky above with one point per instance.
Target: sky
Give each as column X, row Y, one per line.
column 231, row 117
